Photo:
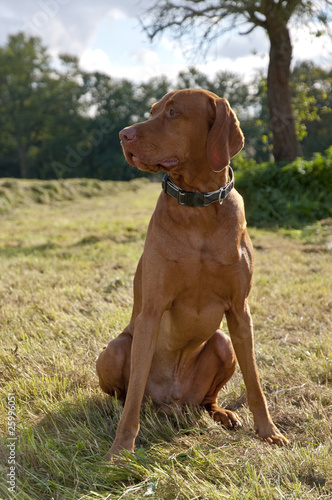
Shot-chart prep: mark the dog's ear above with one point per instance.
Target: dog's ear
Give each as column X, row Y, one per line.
column 225, row 138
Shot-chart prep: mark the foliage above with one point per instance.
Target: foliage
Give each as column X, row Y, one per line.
column 66, row 289
column 312, row 92
column 39, row 107
column 58, row 121
column 291, row 194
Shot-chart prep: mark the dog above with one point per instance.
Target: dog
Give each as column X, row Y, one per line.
column 196, row 267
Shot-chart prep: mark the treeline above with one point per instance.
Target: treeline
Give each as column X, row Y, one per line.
column 58, row 121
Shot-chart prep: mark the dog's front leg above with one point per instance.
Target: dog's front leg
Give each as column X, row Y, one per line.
column 142, row 351
column 240, row 327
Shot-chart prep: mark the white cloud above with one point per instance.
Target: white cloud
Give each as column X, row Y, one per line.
column 144, row 66
column 116, row 13
column 146, row 56
column 245, row 66
column 149, row 62
column 70, row 24
column 96, row 60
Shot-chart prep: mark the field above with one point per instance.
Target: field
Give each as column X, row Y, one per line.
column 67, row 260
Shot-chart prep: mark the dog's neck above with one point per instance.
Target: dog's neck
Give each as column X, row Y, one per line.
column 201, row 180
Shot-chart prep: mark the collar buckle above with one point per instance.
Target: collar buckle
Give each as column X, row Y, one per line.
column 181, row 197
column 221, row 196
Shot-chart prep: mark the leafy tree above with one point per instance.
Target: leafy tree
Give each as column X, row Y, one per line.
column 311, row 89
column 215, row 17
column 66, row 123
column 312, row 92
column 193, row 78
column 39, row 106
column 24, row 65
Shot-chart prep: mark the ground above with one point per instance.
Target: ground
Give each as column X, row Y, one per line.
column 66, row 267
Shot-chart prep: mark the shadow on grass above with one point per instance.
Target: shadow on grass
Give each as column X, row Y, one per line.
column 12, row 251
column 126, row 235
column 61, row 456
column 64, row 451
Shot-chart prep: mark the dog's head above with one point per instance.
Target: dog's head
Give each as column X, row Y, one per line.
column 187, row 128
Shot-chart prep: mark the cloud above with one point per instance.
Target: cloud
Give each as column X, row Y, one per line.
column 146, row 56
column 96, row 60
column 149, row 62
column 66, row 25
column 144, row 64
column 245, row 66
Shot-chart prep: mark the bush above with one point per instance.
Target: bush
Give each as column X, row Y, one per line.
column 286, row 194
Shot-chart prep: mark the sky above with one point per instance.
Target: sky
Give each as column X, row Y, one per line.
column 106, row 36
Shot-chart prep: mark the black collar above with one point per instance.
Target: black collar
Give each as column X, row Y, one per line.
column 192, row 199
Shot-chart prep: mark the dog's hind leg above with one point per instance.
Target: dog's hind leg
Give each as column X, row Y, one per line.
column 113, row 366
column 218, row 361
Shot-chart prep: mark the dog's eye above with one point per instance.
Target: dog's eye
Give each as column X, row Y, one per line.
column 171, row 112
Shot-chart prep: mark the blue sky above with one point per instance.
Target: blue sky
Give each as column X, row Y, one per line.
column 106, row 36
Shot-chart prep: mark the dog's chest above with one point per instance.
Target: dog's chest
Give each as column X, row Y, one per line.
column 199, row 246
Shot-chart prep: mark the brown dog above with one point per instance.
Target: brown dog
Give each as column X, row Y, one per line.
column 196, row 266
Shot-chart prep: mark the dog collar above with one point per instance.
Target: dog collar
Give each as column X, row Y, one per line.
column 192, row 199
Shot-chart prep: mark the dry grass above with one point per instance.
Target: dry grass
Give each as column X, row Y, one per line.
column 66, row 270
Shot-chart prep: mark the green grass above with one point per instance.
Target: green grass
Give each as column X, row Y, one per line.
column 66, row 267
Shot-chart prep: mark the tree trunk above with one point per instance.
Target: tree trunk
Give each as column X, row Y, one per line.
column 286, row 146
column 24, row 167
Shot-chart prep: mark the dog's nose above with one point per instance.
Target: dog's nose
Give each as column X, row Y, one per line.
column 127, row 134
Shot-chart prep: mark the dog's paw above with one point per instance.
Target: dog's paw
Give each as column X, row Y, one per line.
column 118, row 453
column 272, row 435
column 227, row 418
column 118, row 458
column 110, row 457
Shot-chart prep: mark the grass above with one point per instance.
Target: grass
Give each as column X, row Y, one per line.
column 66, row 267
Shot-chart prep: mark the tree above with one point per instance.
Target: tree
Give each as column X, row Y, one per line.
column 312, row 90
column 40, row 107
column 213, row 18
column 65, row 140
column 23, row 64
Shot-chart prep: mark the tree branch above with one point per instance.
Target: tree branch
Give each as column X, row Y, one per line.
column 187, row 14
